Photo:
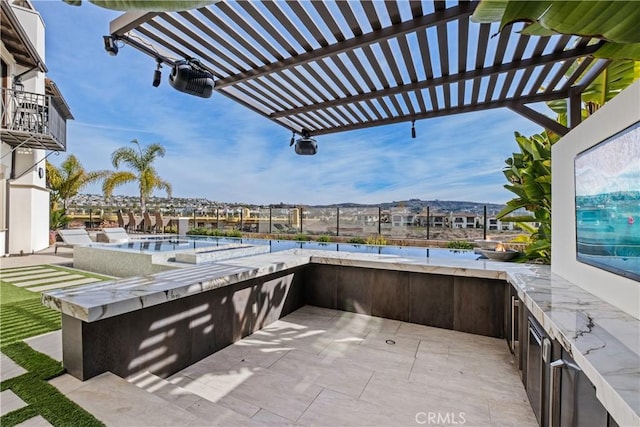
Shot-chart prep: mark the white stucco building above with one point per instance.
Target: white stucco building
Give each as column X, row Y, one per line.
column 32, row 125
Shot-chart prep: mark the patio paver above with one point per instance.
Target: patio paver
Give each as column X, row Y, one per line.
column 321, row 367
column 9, row 402
column 9, row 368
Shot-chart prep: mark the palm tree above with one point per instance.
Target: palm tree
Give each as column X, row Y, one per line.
column 68, row 180
column 143, row 172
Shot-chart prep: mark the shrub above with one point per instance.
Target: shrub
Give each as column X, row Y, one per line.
column 459, row 244
column 357, row 241
column 376, row 240
column 324, row 239
column 201, row 231
column 57, row 219
column 301, row 238
column 198, row 231
column 233, row 233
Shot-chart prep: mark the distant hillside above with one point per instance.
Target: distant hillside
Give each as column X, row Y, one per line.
column 187, row 204
column 418, row 205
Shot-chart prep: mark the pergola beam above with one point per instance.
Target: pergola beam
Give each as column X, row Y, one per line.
column 574, row 107
column 128, row 21
column 393, row 31
column 439, row 81
column 510, row 103
column 539, row 118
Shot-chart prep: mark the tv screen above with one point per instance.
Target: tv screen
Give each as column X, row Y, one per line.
column 607, row 178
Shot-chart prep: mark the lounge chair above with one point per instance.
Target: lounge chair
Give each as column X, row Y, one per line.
column 149, row 222
column 116, row 235
column 72, row 237
column 134, row 221
column 123, row 222
column 161, row 222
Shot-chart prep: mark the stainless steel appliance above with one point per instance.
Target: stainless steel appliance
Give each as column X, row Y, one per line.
column 572, row 399
column 538, row 352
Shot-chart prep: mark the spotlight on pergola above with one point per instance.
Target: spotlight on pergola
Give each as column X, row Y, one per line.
column 306, row 146
column 190, row 77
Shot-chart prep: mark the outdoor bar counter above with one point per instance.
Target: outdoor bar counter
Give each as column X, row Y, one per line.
column 167, row 321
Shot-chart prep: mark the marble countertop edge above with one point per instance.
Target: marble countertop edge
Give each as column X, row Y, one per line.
column 613, row 400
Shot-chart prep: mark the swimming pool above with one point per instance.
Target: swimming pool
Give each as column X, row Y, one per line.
column 168, row 245
column 152, row 256
column 283, row 245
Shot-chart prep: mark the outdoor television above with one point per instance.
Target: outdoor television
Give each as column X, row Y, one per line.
column 607, row 192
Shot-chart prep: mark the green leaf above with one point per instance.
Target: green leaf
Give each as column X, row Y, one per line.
column 489, row 11
column 510, row 208
column 147, row 5
column 615, row 22
column 523, row 11
column 616, row 77
column 625, row 51
column 610, row 20
column 535, row 29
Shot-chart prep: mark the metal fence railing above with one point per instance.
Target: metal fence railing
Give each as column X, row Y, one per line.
column 392, row 223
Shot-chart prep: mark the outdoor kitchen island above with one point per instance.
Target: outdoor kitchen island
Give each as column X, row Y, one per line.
column 168, row 321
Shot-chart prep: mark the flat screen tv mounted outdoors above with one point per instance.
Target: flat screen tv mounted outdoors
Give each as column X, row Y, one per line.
column 607, row 182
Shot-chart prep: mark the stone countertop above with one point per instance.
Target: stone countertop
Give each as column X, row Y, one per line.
column 603, row 340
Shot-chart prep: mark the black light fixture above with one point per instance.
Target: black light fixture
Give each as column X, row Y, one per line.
column 157, row 74
column 110, row 45
column 306, row 146
column 413, row 128
column 189, row 76
column 293, row 136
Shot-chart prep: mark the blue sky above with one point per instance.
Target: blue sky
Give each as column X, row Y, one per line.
column 221, row 151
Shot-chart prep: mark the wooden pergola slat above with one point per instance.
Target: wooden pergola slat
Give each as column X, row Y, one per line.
column 397, row 66
column 549, row 59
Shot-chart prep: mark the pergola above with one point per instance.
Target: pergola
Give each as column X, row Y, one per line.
column 332, row 66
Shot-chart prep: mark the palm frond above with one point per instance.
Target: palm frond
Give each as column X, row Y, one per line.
column 117, row 179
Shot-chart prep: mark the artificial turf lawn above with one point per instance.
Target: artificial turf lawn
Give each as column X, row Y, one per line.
column 40, row 396
column 23, row 316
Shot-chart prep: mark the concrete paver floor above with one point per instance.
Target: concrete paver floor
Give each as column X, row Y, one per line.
column 325, row 367
column 45, row 256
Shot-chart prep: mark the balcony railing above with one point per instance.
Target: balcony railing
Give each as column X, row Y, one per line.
column 32, row 120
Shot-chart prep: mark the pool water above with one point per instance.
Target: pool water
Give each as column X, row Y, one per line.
column 197, row 242
column 162, row 245
column 283, row 245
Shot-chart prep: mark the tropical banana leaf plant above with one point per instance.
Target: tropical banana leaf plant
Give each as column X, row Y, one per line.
column 614, row 79
column 613, row 22
column 529, row 176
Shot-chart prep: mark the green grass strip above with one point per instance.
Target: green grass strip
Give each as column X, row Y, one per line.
column 40, row 396
column 10, row 293
column 22, row 315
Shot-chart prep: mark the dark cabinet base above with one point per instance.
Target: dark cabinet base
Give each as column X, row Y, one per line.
column 465, row 304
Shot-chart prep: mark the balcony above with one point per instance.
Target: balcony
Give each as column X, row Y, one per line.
column 33, row 120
